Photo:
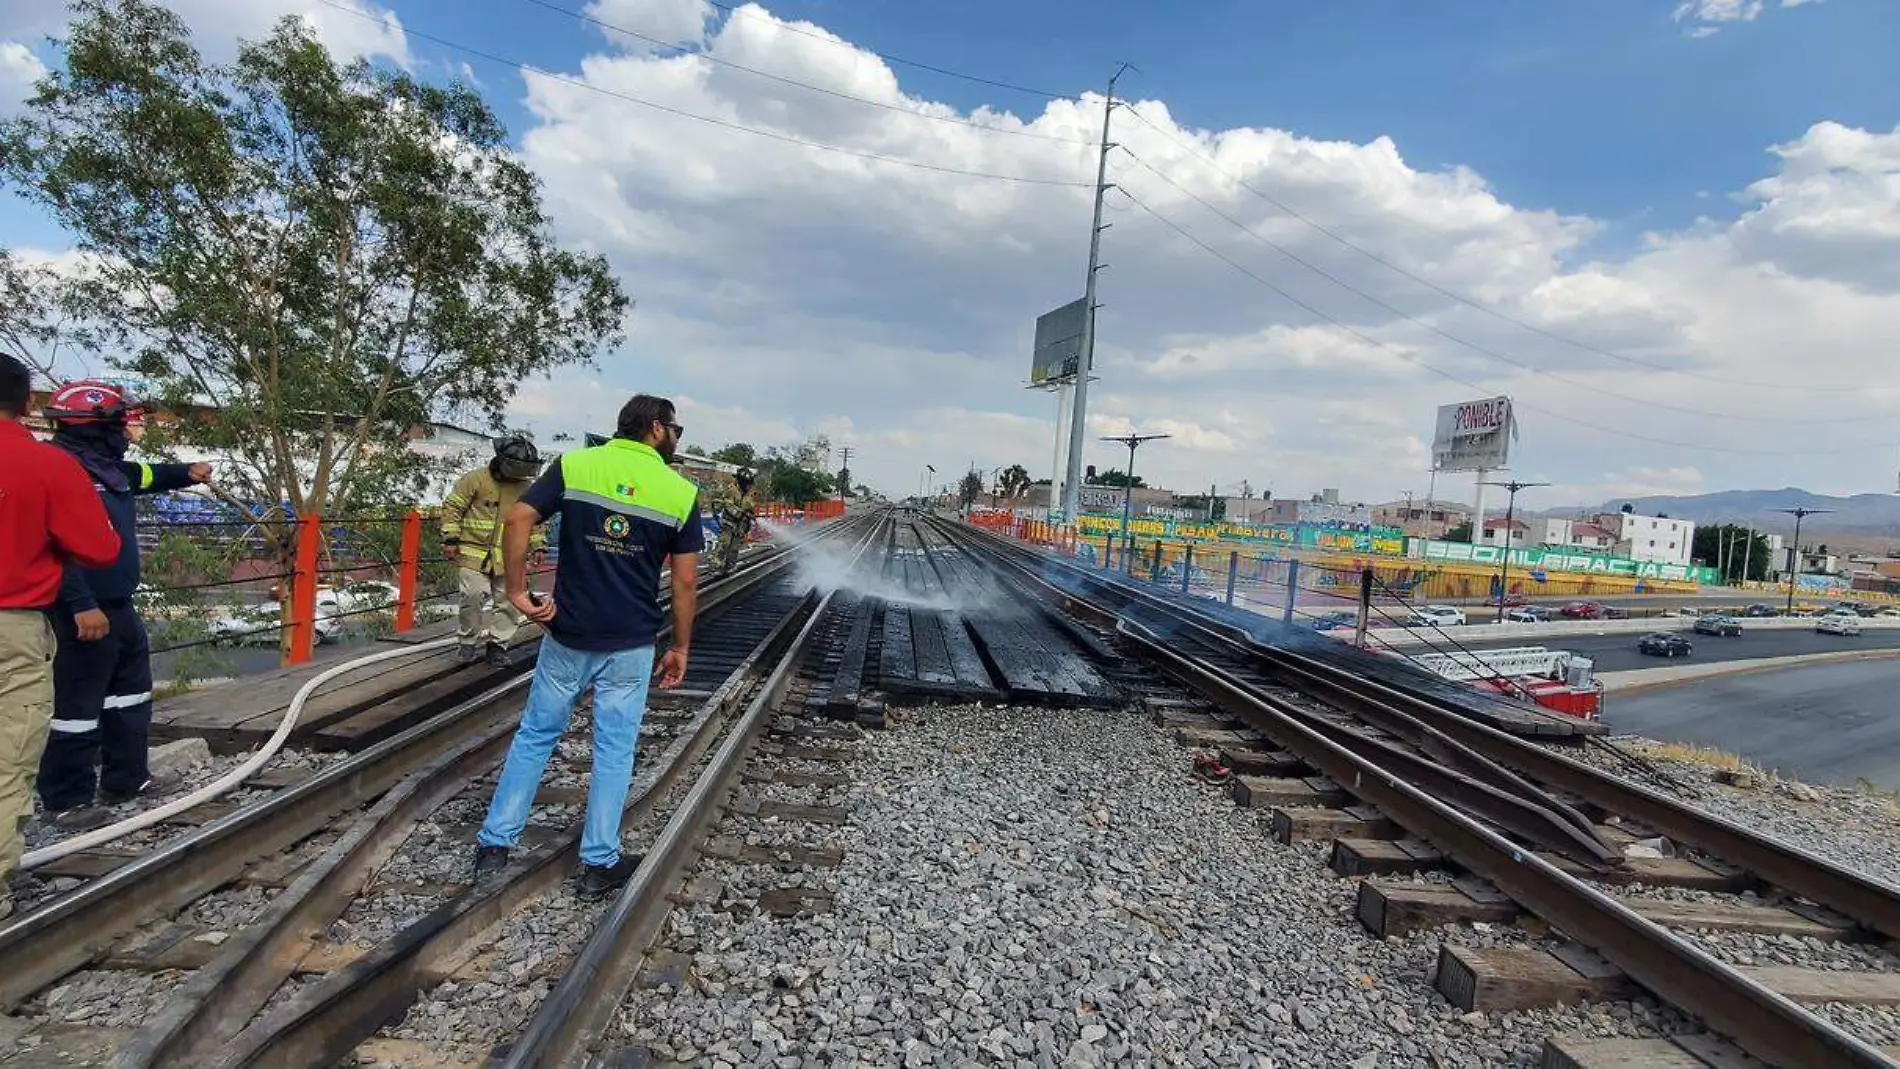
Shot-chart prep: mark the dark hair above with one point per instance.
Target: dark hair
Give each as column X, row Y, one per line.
column 638, row 416
column 16, row 386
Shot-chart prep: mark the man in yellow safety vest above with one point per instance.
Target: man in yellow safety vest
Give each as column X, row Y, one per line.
column 471, row 537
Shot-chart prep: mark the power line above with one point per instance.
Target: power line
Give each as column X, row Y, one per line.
column 887, row 57
column 720, row 61
column 1409, row 358
column 1494, row 354
column 1467, row 301
column 709, row 120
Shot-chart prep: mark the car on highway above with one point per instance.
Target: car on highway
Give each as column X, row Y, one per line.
column 1720, row 626
column 1511, row 601
column 1530, row 614
column 1759, row 610
column 1437, row 616
column 1330, row 620
column 1838, row 623
column 1582, row 610
column 260, row 624
column 1888, row 614
column 1664, row 644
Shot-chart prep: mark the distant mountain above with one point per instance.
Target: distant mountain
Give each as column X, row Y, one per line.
column 1875, row 514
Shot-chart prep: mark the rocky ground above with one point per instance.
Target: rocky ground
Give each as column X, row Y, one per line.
column 1031, row 886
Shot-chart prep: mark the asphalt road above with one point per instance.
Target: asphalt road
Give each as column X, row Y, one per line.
column 1831, row 723
column 1617, row 653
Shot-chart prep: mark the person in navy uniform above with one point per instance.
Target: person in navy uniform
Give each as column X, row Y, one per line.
column 102, row 670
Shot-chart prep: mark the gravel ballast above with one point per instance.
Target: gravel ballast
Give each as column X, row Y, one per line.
column 1051, row 887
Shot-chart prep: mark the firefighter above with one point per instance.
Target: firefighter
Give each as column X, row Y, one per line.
column 736, row 516
column 471, row 537
column 102, row 670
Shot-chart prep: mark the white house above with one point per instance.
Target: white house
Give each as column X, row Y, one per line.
column 1518, row 538
column 1649, row 538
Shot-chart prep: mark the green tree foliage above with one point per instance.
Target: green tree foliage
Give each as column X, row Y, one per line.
column 1014, row 481
column 1460, row 533
column 1741, row 553
column 306, row 260
column 969, row 488
column 738, row 453
column 1115, row 477
column 32, row 314
column 794, row 485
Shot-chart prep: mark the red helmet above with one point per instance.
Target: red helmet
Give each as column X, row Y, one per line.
column 89, row 401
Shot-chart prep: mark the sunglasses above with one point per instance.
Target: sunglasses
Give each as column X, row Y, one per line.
column 679, row 430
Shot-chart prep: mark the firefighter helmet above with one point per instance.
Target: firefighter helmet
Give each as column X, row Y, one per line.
column 517, row 459
column 90, row 401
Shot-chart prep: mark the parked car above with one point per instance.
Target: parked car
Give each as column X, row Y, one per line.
column 1329, row 621
column 1684, row 611
column 1530, row 614
column 1438, row 616
column 1664, row 644
column 1582, row 610
column 260, row 624
column 1511, row 601
column 1838, row 623
column 1759, row 610
column 1723, row 626
column 1888, row 613
column 1611, row 612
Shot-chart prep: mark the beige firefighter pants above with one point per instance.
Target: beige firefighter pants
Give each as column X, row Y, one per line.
column 502, row 620
column 26, row 711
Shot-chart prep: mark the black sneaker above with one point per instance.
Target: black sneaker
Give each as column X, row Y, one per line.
column 598, row 881
column 498, row 656
column 79, row 818
column 489, row 861
column 468, row 654
column 156, row 785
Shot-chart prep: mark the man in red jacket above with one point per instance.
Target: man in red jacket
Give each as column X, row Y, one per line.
column 49, row 516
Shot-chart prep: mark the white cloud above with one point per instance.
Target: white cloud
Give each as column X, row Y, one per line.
column 800, row 289
column 217, row 25
column 676, row 22
column 19, row 69
column 1705, row 18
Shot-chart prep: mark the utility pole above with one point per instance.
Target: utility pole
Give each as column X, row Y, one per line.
column 844, row 473
column 1405, row 524
column 1504, row 559
column 1794, row 558
column 1078, row 416
column 1128, row 491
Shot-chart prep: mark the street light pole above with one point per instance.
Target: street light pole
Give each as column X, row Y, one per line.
column 1128, row 490
column 1794, row 557
column 1510, row 535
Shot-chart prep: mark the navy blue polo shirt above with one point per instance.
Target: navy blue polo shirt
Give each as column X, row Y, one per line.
column 623, row 513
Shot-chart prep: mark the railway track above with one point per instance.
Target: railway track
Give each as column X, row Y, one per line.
column 331, row 899
column 1526, row 829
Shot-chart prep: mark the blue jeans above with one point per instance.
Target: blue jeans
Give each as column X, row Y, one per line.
column 619, row 679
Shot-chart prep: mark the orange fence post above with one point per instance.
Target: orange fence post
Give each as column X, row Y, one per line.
column 409, row 572
column 302, row 621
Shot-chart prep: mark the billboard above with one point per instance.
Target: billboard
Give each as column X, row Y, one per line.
column 1474, row 435
column 1058, row 353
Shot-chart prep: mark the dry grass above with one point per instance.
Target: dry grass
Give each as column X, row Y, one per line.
column 1700, row 756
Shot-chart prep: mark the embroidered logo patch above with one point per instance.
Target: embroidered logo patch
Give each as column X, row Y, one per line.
column 617, row 526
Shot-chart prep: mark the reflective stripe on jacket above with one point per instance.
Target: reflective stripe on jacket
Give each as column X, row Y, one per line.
column 472, row 516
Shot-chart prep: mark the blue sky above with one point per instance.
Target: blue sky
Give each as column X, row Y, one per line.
column 1602, row 172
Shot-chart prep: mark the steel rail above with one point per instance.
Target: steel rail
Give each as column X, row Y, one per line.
column 46, row 943
column 580, row 1007
column 1448, row 768
column 322, row 1024
column 1872, row 903
column 1763, row 1022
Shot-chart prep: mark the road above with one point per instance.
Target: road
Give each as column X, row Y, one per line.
column 1830, row 723
column 1617, row 653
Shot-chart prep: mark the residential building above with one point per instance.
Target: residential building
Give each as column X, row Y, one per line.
column 1420, row 518
column 1649, row 538
column 1318, row 512
column 1518, row 536
column 1577, row 534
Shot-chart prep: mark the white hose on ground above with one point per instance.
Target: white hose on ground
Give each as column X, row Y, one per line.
column 141, row 821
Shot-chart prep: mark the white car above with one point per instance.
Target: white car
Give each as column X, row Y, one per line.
column 260, row 624
column 1837, row 623
column 1437, row 616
